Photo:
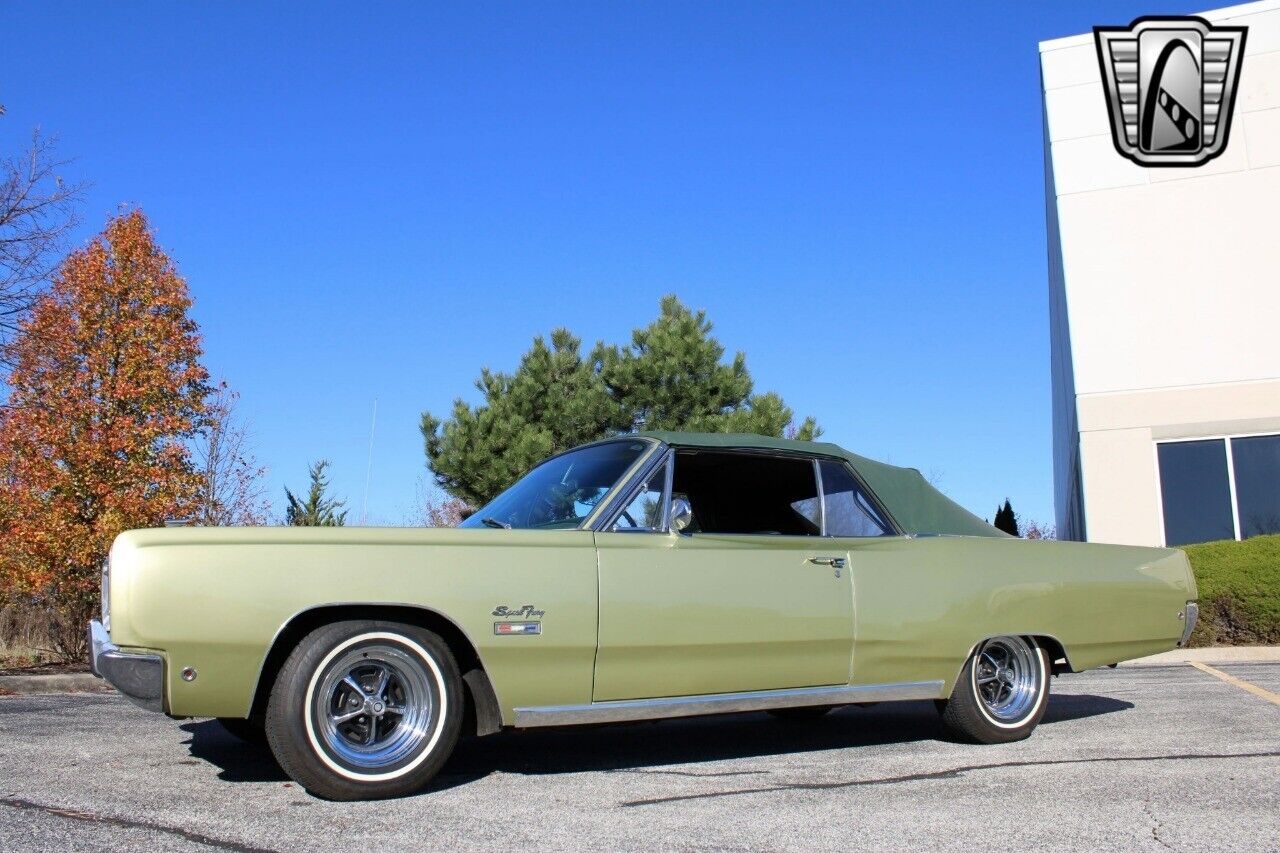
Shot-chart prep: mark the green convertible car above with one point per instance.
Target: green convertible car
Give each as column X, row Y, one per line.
column 645, row 576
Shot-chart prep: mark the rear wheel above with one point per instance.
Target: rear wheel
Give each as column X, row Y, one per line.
column 365, row 710
column 1001, row 693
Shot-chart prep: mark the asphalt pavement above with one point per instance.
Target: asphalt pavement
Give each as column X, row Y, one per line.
column 1158, row 757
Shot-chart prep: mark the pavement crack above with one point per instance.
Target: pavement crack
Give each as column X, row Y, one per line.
column 713, row 774
column 952, row 773
column 127, row 823
column 1156, row 826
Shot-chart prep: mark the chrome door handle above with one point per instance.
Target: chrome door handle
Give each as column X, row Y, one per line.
column 833, row 562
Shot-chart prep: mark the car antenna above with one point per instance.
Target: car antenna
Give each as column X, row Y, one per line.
column 368, row 472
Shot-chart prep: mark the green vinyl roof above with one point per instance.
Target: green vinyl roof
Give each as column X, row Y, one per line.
column 915, row 504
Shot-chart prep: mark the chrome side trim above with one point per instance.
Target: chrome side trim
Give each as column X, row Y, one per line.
column 722, row 703
column 140, row 677
column 1192, row 614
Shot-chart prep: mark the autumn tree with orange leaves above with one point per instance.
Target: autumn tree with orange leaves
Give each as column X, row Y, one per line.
column 106, row 390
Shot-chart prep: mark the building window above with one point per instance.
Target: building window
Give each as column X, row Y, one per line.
column 1219, row 488
column 1196, row 492
column 1257, row 471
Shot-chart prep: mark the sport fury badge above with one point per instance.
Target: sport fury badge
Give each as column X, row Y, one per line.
column 525, row 620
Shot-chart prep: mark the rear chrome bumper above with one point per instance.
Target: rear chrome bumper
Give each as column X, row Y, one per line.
column 140, row 677
column 1192, row 613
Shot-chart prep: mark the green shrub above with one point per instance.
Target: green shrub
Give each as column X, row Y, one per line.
column 1239, row 586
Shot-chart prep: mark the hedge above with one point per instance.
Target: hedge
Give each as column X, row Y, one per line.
column 1239, row 586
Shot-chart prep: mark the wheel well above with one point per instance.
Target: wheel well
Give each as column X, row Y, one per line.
column 1059, row 663
column 481, row 714
column 1057, row 653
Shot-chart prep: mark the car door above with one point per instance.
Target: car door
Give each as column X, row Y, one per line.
column 881, row 569
column 710, row 612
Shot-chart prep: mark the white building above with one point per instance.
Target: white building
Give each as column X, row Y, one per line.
column 1165, row 311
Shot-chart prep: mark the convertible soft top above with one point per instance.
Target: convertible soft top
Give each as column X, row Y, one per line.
column 916, row 505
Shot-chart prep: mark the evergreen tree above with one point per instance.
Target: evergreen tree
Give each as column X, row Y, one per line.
column 552, row 402
column 1005, row 519
column 318, row 510
column 670, row 376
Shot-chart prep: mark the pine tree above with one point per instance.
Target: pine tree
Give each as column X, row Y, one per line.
column 317, row 510
column 670, row 376
column 1006, row 520
column 552, row 402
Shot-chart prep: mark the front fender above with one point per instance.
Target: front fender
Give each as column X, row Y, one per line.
column 215, row 599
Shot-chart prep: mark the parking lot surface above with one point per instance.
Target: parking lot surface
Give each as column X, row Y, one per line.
column 1153, row 757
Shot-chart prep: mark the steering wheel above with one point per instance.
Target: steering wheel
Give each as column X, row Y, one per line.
column 549, row 505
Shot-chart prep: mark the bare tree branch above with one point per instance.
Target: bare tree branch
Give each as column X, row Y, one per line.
column 232, row 491
column 434, row 508
column 38, row 210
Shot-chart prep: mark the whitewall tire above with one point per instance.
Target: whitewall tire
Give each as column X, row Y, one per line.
column 365, row 710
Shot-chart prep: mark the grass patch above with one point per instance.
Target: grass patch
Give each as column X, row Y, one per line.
column 19, row 657
column 1239, row 586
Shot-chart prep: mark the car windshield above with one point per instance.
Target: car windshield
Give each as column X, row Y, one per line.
column 560, row 492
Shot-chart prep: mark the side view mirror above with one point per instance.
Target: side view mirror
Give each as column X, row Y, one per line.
column 681, row 515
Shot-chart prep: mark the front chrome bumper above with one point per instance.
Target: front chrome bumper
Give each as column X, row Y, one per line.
column 140, row 677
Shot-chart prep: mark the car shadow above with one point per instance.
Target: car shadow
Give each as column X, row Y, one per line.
column 1063, row 709
column 236, row 760
column 649, row 746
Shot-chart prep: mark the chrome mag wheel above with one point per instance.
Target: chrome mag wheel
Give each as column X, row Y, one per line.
column 1007, row 676
column 374, row 707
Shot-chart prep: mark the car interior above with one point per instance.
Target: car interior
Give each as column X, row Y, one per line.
column 748, row 493
column 735, row 492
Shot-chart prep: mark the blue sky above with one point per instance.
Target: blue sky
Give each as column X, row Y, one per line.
column 375, row 201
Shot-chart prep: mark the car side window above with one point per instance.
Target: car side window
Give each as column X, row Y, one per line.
column 644, row 511
column 748, row 493
column 849, row 509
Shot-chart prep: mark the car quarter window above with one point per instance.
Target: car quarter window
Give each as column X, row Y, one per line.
column 748, row 493
column 644, row 511
column 850, row 511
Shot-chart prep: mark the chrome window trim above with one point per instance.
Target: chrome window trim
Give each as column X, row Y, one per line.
column 670, row 461
column 822, row 498
column 667, row 459
column 627, row 710
column 612, row 506
column 606, row 513
column 639, row 468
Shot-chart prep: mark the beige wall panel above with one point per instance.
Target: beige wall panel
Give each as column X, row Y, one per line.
column 1122, row 504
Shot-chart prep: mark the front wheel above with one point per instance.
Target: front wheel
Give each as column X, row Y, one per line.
column 365, row 710
column 1001, row 693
